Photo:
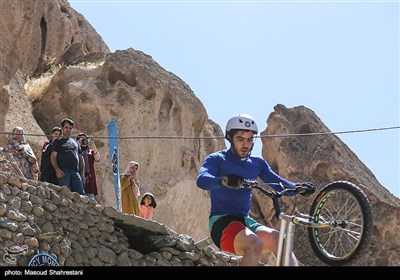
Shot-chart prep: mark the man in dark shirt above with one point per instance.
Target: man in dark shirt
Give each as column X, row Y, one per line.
column 67, row 159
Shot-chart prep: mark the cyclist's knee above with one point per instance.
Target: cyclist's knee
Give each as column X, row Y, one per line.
column 253, row 245
column 270, row 239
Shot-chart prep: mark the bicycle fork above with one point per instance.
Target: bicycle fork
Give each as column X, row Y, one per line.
column 285, row 243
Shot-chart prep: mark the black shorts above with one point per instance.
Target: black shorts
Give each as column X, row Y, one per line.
column 219, row 226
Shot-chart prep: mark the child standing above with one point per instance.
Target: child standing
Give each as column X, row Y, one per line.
column 147, row 205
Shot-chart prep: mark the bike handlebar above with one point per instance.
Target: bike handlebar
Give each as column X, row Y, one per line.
column 274, row 195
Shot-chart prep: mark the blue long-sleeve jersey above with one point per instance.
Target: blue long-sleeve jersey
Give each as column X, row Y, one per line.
column 231, row 201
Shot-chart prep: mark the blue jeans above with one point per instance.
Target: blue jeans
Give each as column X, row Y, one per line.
column 72, row 180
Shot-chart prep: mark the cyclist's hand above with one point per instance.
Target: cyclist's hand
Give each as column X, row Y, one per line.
column 305, row 188
column 232, row 181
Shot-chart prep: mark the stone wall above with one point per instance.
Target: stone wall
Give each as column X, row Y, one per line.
column 78, row 232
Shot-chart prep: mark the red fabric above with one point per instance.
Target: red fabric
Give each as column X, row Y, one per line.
column 91, row 186
column 45, row 144
column 229, row 234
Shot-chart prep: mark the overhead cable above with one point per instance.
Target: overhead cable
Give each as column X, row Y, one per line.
column 174, row 137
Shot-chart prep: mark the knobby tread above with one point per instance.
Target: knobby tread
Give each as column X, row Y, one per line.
column 365, row 208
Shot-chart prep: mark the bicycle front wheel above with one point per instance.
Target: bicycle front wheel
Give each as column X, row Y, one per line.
column 347, row 210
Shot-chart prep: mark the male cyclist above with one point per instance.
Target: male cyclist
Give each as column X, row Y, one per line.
column 223, row 173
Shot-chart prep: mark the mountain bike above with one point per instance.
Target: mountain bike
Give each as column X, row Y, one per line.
column 339, row 222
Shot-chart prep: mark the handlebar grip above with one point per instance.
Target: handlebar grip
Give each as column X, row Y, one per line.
column 305, row 188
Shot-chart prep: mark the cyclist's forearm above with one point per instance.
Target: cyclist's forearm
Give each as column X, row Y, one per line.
column 207, row 181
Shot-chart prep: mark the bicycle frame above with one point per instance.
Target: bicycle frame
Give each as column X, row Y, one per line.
column 286, row 235
column 287, row 227
column 285, row 243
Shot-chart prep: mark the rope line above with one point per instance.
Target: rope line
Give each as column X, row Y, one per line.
column 222, row 137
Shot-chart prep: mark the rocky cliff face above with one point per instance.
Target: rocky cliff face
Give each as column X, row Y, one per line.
column 36, row 34
column 163, row 125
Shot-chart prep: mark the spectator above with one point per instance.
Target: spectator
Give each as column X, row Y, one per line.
column 130, row 189
column 147, row 205
column 90, row 155
column 47, row 172
column 67, row 160
column 23, row 153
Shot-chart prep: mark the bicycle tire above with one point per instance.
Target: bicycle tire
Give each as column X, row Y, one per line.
column 347, row 207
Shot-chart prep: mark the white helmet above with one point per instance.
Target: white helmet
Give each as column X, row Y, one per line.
column 241, row 122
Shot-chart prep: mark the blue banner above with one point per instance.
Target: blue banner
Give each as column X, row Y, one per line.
column 114, row 158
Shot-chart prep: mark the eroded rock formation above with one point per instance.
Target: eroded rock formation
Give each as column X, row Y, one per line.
column 37, row 34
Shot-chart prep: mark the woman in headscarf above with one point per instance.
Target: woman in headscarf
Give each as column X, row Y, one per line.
column 130, row 189
column 23, row 153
